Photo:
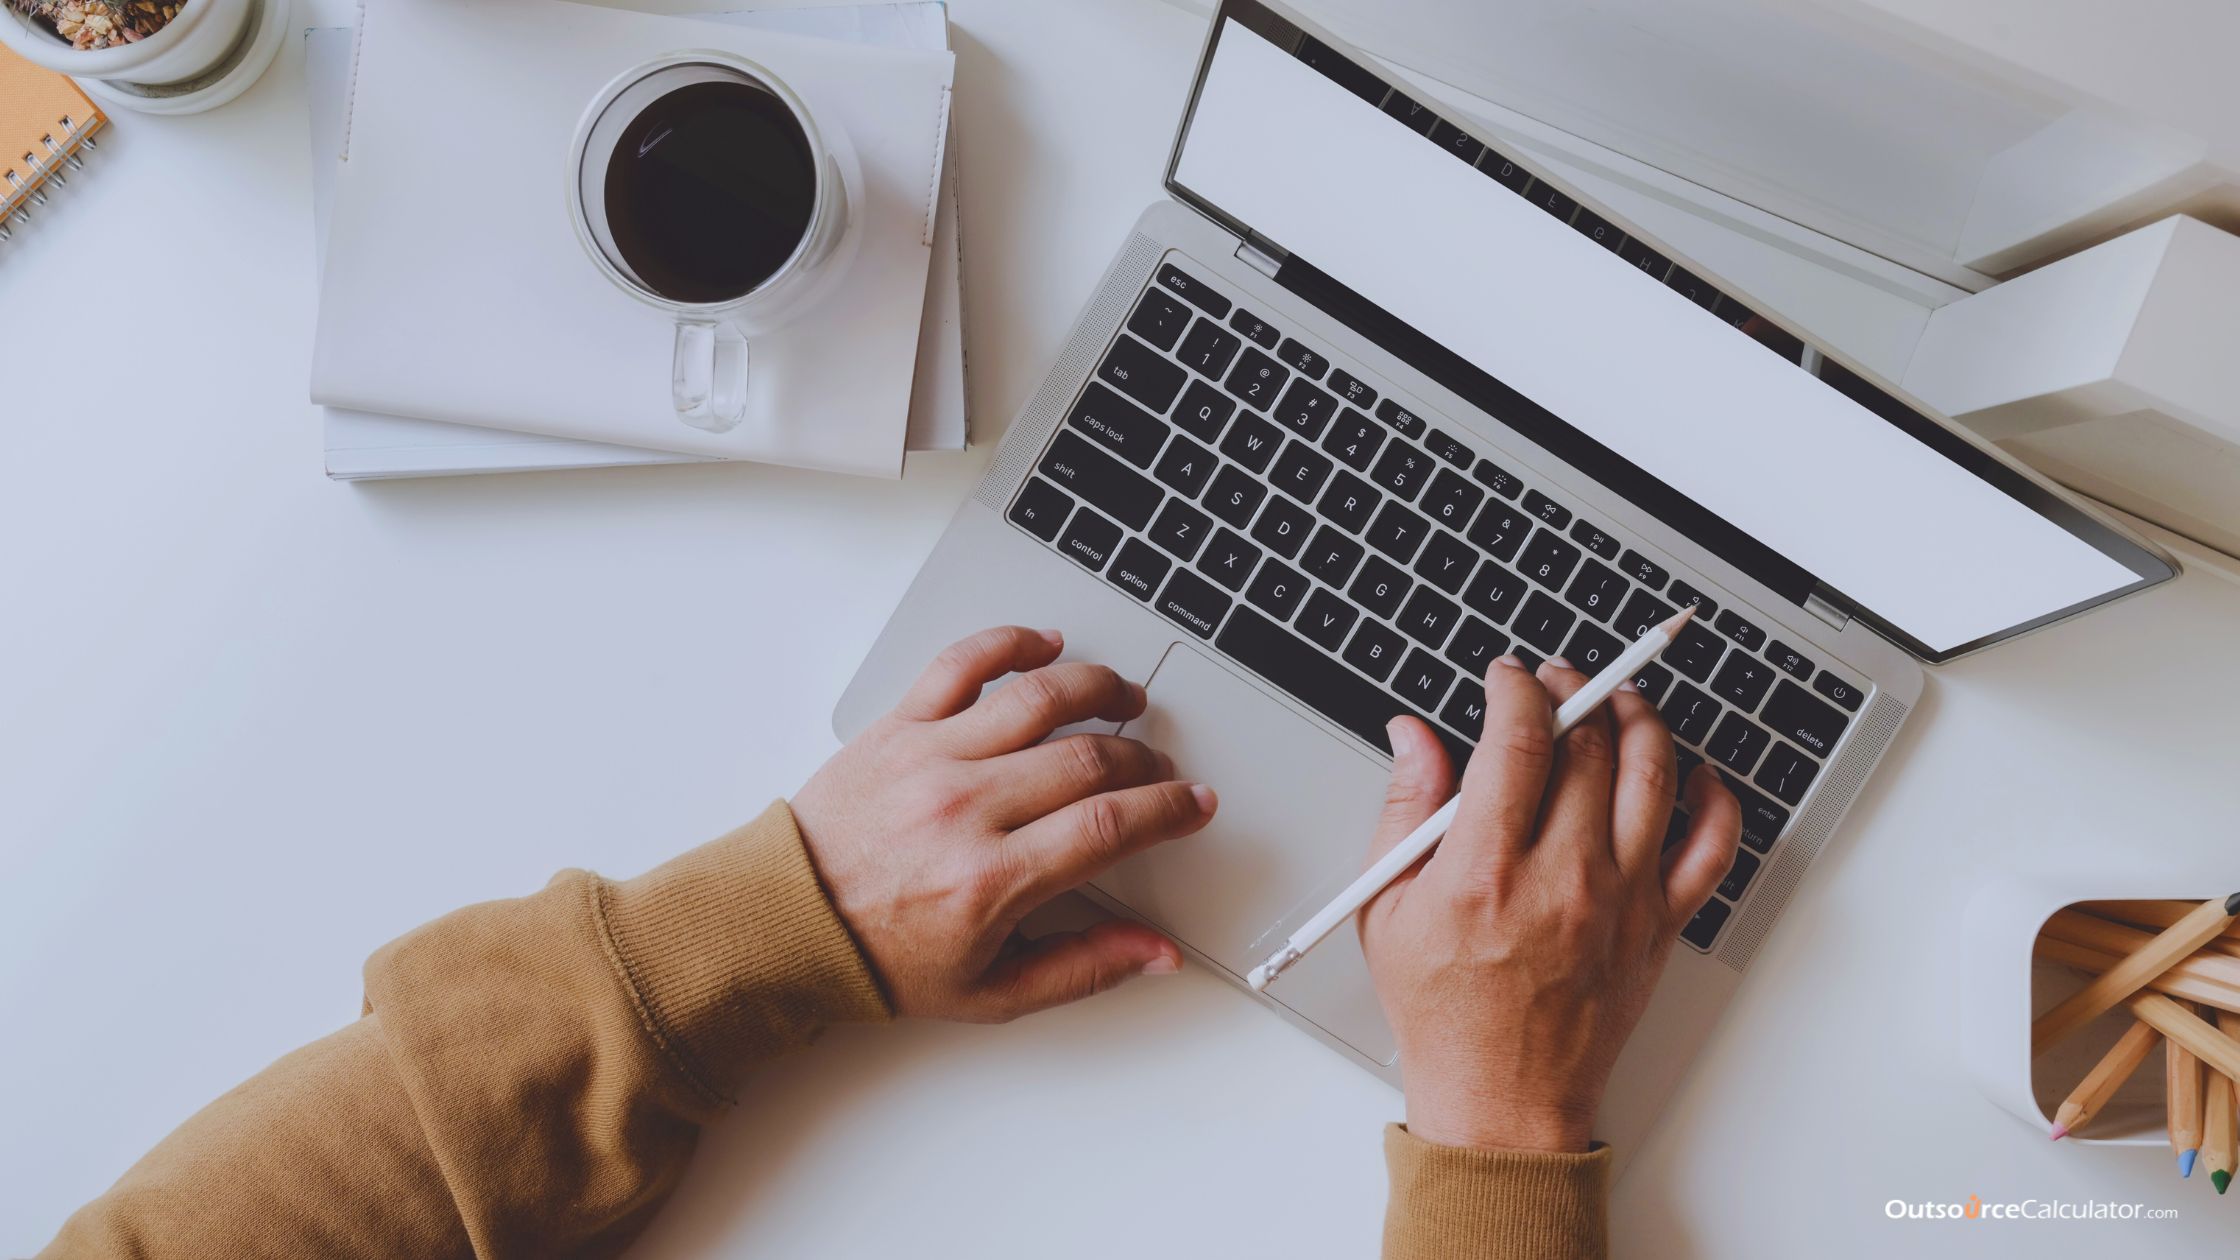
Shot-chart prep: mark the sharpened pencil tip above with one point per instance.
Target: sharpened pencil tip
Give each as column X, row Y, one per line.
column 2221, row 1179
column 2060, row 1131
column 1671, row 626
column 2185, row 1162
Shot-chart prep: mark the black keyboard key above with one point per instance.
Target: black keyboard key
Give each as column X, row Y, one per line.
column 1408, row 423
column 1494, row 592
column 1257, row 379
column 1306, row 409
column 1327, row 618
column 1553, row 202
column 1380, row 588
column 1402, row 470
column 1742, row 681
column 1278, row 588
column 1526, row 657
column 1159, row 318
column 1497, row 479
column 1591, row 648
column 1589, row 535
column 1691, row 286
column 1208, row 349
column 1136, row 370
column 1423, row 680
column 1597, row 229
column 1354, row 438
column 1429, row 618
column 1465, row 710
column 1186, row 466
column 1742, row 632
column 1192, row 603
column 1446, row 562
column 1302, row 360
column 1448, row 448
column 1596, row 591
column 1398, row 532
column 1451, row 500
column 1456, row 141
column 1644, row 570
column 1252, row 442
column 1793, row 714
column 1706, row 607
column 1331, row 556
column 1762, row 820
column 1838, row 690
column 1500, row 531
column 1300, row 472
column 1181, row 529
column 1642, row 611
column 1099, row 479
column 1787, row 773
column 1414, row 113
column 1737, row 743
column 1229, row 559
column 1234, row 497
column 1555, row 514
column 1193, row 290
column 1703, row 929
column 1689, row 713
column 1040, row 509
column 1203, row 411
column 1652, row 680
column 1789, row 660
column 1644, row 259
column 1510, row 175
column 1543, row 622
column 1315, row 680
column 1694, row 651
column 1350, row 502
column 1476, row 646
column 1138, row 569
column 1283, row 527
column 1090, row 539
column 1118, row 425
column 1739, row 875
column 1374, row 651
column 1548, row 560
column 1350, row 389
column 1254, row 329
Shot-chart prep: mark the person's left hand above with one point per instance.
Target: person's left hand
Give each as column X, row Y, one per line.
column 941, row 825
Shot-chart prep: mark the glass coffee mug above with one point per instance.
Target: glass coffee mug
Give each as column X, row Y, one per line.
column 702, row 186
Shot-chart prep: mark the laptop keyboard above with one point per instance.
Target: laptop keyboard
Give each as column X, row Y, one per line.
column 1332, row 540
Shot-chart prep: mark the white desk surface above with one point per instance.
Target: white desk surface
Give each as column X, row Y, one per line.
column 258, row 723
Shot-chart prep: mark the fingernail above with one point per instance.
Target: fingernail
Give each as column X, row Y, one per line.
column 1628, row 687
column 1204, row 796
column 1559, row 662
column 1510, row 661
column 1055, row 638
column 1161, row 966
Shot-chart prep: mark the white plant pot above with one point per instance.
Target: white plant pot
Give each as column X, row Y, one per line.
column 207, row 55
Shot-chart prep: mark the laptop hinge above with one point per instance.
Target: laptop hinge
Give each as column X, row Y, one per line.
column 1259, row 259
column 1820, row 606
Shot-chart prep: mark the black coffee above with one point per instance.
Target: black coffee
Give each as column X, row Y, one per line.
column 709, row 191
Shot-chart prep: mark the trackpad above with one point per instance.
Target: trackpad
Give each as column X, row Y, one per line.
column 1298, row 806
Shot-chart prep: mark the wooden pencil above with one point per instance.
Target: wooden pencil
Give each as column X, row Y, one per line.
column 2106, row 1077
column 2158, row 915
column 2179, row 982
column 2121, row 939
column 2129, row 976
column 2181, row 1087
column 2216, row 1049
column 2219, row 1130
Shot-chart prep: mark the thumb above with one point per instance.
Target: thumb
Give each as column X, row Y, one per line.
column 1422, row 780
column 1069, row 966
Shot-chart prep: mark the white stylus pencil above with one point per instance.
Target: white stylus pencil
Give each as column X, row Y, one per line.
column 1420, row 841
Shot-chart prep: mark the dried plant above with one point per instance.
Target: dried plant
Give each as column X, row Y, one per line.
column 91, row 24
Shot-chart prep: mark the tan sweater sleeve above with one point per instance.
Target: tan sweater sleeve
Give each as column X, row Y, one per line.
column 1449, row 1202
column 528, row 1078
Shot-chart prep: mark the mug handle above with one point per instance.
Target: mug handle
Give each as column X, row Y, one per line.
column 708, row 376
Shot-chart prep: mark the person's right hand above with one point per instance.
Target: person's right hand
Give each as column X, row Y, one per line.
column 941, row 825
column 1514, row 961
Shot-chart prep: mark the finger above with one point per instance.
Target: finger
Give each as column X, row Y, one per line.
column 953, row 681
column 1642, row 803
column 1025, row 710
column 1579, row 791
column 1068, row 966
column 1699, row 862
column 1422, row 780
column 1076, row 844
column 1507, row 775
column 1026, row 785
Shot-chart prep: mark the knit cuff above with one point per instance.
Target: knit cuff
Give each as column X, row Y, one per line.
column 1493, row 1204
column 734, row 953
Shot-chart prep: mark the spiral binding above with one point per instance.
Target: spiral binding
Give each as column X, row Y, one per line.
column 22, row 193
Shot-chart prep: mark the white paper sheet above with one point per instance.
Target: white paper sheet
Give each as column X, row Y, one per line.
column 1937, row 551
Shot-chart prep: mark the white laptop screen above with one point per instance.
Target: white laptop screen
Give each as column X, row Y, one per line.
column 1912, row 536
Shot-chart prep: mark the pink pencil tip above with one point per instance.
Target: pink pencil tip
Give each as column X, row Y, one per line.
column 2060, row 1131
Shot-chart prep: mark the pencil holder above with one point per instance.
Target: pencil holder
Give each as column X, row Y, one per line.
column 2004, row 987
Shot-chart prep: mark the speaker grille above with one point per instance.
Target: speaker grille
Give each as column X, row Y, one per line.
column 1031, row 429
column 1877, row 726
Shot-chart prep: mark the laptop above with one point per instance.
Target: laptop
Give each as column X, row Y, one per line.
column 1367, row 402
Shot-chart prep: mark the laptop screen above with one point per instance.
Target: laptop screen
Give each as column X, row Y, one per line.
column 1784, row 463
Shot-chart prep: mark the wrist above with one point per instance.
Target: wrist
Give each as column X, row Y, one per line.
column 1482, row 1120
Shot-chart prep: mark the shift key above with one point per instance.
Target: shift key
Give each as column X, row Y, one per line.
column 1102, row 480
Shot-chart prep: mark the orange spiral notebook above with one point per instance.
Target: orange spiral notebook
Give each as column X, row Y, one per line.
column 44, row 122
